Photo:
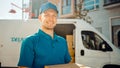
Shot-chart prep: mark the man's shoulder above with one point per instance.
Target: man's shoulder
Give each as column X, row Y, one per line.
column 32, row 37
column 60, row 38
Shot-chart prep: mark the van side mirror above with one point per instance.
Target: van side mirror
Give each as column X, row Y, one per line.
column 103, row 46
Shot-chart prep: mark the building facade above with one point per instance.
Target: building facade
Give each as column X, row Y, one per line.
column 106, row 18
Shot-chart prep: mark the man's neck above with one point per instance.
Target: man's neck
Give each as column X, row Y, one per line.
column 49, row 32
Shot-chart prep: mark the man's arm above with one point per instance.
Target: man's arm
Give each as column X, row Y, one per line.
column 22, row 67
column 26, row 54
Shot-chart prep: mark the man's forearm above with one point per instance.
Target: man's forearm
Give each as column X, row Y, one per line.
column 22, row 67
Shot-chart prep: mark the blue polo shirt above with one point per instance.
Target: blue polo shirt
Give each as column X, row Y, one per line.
column 40, row 49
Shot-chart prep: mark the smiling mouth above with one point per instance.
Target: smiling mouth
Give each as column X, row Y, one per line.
column 50, row 22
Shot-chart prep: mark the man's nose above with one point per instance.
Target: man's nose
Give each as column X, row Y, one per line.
column 50, row 18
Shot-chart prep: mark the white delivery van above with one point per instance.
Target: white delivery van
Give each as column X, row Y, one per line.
column 91, row 48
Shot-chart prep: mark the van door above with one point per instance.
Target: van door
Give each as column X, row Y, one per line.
column 93, row 50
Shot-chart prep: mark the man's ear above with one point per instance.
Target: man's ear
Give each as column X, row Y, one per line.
column 39, row 17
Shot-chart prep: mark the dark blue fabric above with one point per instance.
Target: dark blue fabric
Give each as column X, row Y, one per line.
column 40, row 49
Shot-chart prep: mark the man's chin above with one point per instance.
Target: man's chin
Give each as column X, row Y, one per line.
column 50, row 28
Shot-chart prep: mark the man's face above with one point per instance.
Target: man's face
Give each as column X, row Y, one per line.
column 48, row 19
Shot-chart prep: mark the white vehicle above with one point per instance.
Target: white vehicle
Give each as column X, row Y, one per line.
column 91, row 47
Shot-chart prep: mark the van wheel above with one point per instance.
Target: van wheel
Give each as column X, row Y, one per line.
column 111, row 66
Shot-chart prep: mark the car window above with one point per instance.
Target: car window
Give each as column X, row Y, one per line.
column 93, row 41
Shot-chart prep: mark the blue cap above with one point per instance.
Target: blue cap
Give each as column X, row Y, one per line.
column 47, row 6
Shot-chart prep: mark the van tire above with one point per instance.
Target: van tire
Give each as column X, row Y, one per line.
column 111, row 66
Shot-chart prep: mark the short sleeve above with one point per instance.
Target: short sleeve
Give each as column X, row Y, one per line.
column 67, row 55
column 26, row 53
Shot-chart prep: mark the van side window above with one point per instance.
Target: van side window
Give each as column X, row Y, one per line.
column 93, row 41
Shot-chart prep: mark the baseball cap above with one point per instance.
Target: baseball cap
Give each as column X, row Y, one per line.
column 47, row 6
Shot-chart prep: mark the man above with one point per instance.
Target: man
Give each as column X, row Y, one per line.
column 45, row 47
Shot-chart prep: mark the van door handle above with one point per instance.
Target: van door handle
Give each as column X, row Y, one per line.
column 82, row 52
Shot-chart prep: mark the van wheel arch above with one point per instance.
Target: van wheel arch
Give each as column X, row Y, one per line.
column 111, row 66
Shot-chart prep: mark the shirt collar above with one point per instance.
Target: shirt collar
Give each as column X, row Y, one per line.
column 45, row 35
